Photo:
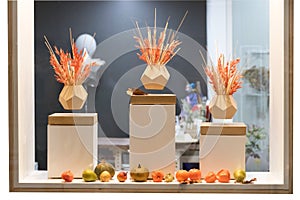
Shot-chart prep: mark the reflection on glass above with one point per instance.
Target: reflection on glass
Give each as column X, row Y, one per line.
column 250, row 32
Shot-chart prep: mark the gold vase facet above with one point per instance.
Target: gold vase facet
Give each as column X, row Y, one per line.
column 155, row 77
column 223, row 107
column 73, row 97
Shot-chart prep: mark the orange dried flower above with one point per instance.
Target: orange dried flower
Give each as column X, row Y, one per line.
column 71, row 68
column 225, row 78
column 153, row 51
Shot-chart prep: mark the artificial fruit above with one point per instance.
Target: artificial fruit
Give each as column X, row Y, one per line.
column 157, row 176
column 105, row 176
column 169, row 177
column 195, row 175
column 68, row 176
column 210, row 177
column 89, row 175
column 139, row 173
column 104, row 166
column 182, row 175
column 223, row 176
column 239, row 175
column 122, row 176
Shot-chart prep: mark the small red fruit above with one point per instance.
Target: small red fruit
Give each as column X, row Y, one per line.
column 68, row 176
column 122, row 176
column 195, row 175
column 210, row 177
column 182, row 175
column 157, row 176
column 223, row 176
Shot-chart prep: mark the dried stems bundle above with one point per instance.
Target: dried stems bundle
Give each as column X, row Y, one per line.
column 71, row 68
column 157, row 52
column 225, row 78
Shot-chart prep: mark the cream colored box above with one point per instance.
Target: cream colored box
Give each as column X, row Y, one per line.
column 152, row 132
column 72, row 143
column 222, row 146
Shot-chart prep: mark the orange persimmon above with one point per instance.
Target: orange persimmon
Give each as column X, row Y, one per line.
column 195, row 175
column 223, row 176
column 210, row 177
column 182, row 175
column 68, row 176
column 157, row 176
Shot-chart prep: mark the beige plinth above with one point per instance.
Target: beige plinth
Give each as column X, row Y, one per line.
column 72, row 143
column 222, row 146
column 152, row 133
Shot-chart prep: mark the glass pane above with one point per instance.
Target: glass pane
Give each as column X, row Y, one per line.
column 250, row 33
column 114, row 43
column 238, row 32
column 250, row 42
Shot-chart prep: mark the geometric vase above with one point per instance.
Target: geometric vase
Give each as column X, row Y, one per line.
column 223, row 107
column 73, row 97
column 155, row 77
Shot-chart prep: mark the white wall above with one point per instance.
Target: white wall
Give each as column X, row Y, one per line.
column 219, row 27
column 219, row 31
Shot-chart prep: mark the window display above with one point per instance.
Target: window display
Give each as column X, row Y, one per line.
column 128, row 138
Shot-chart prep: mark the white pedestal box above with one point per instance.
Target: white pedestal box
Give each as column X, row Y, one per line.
column 72, row 143
column 222, row 146
column 152, row 132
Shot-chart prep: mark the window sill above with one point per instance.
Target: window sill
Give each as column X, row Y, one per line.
column 38, row 180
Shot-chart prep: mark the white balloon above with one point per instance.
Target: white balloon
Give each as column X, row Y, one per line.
column 86, row 41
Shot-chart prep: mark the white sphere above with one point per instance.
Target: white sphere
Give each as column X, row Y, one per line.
column 86, row 41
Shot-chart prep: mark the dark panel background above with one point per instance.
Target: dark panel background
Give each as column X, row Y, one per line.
column 105, row 18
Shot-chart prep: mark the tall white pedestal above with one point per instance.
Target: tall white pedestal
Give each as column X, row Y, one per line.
column 72, row 143
column 222, row 146
column 152, row 132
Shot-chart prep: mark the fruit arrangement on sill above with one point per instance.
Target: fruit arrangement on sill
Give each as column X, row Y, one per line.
column 105, row 172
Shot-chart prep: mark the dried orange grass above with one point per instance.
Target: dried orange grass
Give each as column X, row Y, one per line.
column 225, row 78
column 70, row 69
column 157, row 52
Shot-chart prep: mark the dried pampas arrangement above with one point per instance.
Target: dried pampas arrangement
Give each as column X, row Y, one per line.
column 156, row 52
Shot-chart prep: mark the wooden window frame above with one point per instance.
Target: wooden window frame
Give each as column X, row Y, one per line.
column 16, row 184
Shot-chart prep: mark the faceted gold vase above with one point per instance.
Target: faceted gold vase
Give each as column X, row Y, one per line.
column 73, row 97
column 223, row 107
column 155, row 77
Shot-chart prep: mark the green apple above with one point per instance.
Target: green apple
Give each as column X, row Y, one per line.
column 239, row 175
column 89, row 175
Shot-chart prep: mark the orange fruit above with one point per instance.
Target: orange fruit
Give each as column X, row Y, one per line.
column 105, row 176
column 223, row 176
column 157, row 176
column 210, row 177
column 195, row 175
column 182, row 175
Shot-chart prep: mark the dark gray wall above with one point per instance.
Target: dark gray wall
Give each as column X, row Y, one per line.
column 105, row 18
